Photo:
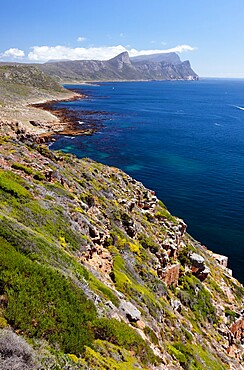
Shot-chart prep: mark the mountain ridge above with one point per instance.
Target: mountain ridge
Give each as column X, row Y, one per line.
column 122, row 68
column 171, row 58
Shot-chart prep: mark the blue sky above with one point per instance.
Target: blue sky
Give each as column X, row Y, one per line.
column 207, row 32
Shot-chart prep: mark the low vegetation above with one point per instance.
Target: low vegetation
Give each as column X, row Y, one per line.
column 73, row 251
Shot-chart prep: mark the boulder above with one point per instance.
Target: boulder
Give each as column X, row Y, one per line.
column 176, row 305
column 130, row 311
column 222, row 260
column 202, row 274
column 199, row 269
column 197, row 260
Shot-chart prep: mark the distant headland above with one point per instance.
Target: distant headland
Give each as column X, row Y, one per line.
column 163, row 66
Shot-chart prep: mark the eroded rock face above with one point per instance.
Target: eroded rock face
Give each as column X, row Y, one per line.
column 170, row 275
column 236, row 340
column 100, row 259
column 237, row 329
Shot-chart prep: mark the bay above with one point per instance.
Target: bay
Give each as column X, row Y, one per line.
column 183, row 139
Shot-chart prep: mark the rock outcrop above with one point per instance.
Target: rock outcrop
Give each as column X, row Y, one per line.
column 199, row 269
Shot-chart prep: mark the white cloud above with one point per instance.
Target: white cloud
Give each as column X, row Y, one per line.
column 176, row 49
column 45, row 53
column 81, row 38
column 13, row 53
column 122, row 34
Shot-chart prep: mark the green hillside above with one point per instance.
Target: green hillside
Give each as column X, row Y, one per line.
column 97, row 274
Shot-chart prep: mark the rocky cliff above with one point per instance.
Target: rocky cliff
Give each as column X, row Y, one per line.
column 95, row 273
column 122, row 67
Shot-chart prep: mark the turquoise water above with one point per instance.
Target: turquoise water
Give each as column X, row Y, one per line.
column 185, row 140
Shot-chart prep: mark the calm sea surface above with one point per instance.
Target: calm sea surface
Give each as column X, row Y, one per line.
column 185, row 140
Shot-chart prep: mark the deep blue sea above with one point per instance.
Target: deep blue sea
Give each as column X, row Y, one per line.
column 183, row 139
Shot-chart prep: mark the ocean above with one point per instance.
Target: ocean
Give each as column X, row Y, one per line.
column 183, row 139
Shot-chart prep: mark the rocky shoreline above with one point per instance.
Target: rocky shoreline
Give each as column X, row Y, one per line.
column 70, row 120
column 39, row 129
column 62, row 121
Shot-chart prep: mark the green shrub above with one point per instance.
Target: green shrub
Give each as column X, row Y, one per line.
column 21, row 167
column 47, row 219
column 194, row 357
column 163, row 213
column 105, row 355
column 148, row 243
column 232, row 315
column 151, row 334
column 36, row 246
column 39, row 176
column 43, row 303
column 97, row 285
column 184, row 255
column 10, row 183
column 193, row 294
column 177, row 354
column 121, row 334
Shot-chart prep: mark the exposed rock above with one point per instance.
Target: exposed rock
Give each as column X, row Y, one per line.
column 197, row 261
column 176, row 305
column 222, row 260
column 199, row 269
column 100, row 259
column 131, row 312
column 140, row 324
column 203, row 274
column 170, row 274
column 238, row 329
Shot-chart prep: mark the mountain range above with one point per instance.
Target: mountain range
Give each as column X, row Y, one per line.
column 164, row 66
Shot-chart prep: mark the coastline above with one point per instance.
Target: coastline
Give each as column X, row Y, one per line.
column 41, row 119
column 37, row 120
